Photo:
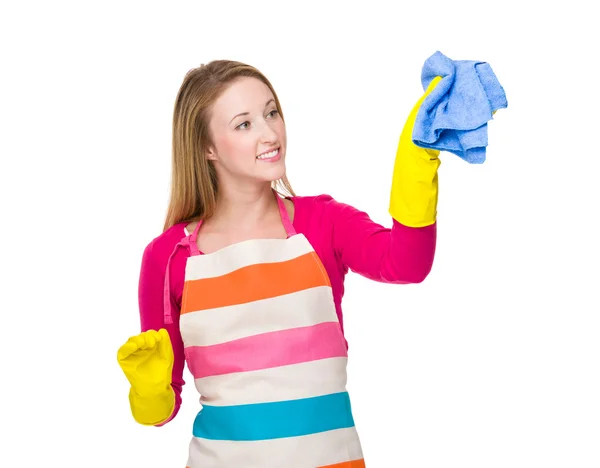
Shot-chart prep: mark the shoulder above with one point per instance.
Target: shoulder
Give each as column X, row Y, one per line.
column 321, row 205
column 160, row 247
column 312, row 203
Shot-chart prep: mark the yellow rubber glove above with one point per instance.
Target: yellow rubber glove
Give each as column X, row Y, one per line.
column 414, row 194
column 147, row 361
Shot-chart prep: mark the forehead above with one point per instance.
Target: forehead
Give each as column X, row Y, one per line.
column 243, row 95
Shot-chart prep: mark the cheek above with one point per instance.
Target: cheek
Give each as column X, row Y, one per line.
column 281, row 131
column 234, row 150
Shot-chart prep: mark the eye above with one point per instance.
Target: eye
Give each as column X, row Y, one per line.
column 240, row 126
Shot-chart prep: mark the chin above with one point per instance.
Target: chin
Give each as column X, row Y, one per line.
column 274, row 173
column 273, row 178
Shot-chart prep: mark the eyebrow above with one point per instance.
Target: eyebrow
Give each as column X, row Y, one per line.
column 246, row 113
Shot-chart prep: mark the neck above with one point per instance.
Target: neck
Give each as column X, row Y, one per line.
column 244, row 206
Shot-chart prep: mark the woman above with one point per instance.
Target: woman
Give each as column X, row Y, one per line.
column 245, row 283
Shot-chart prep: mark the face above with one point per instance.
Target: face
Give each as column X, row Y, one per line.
column 248, row 134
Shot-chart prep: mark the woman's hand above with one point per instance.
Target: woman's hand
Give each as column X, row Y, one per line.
column 147, row 362
column 413, row 199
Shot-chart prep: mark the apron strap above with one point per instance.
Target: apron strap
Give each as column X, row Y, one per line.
column 190, row 243
column 167, row 316
column 193, row 236
column 285, row 217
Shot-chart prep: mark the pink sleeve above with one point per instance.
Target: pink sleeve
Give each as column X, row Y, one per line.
column 399, row 254
column 151, row 317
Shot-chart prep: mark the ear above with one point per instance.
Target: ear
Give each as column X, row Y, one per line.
column 211, row 154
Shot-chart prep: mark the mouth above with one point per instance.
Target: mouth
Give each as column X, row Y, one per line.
column 270, row 155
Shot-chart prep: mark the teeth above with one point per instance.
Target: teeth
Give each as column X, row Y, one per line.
column 268, row 155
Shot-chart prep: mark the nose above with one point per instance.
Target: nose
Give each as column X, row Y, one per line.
column 267, row 133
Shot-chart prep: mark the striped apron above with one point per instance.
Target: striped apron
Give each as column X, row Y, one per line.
column 265, row 348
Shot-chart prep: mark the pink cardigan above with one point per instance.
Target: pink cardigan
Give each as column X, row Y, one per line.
column 343, row 237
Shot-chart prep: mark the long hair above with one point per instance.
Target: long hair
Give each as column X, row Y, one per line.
column 194, row 185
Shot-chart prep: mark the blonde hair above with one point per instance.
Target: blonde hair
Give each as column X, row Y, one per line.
column 193, row 179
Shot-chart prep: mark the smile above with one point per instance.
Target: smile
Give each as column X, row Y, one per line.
column 269, row 155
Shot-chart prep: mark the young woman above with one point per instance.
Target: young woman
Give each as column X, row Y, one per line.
column 245, row 282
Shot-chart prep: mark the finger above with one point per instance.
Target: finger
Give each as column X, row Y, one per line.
column 147, row 339
column 151, row 337
column 127, row 349
column 139, row 340
column 417, row 106
column 165, row 348
column 432, row 84
column 412, row 117
column 164, row 334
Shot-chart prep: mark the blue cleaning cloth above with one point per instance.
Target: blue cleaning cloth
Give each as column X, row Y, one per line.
column 454, row 116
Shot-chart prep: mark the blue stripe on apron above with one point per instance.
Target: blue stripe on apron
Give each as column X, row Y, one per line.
column 274, row 420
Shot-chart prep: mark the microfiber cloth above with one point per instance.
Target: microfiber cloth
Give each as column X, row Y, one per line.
column 454, row 116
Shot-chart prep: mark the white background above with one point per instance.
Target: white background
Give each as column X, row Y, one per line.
column 493, row 361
